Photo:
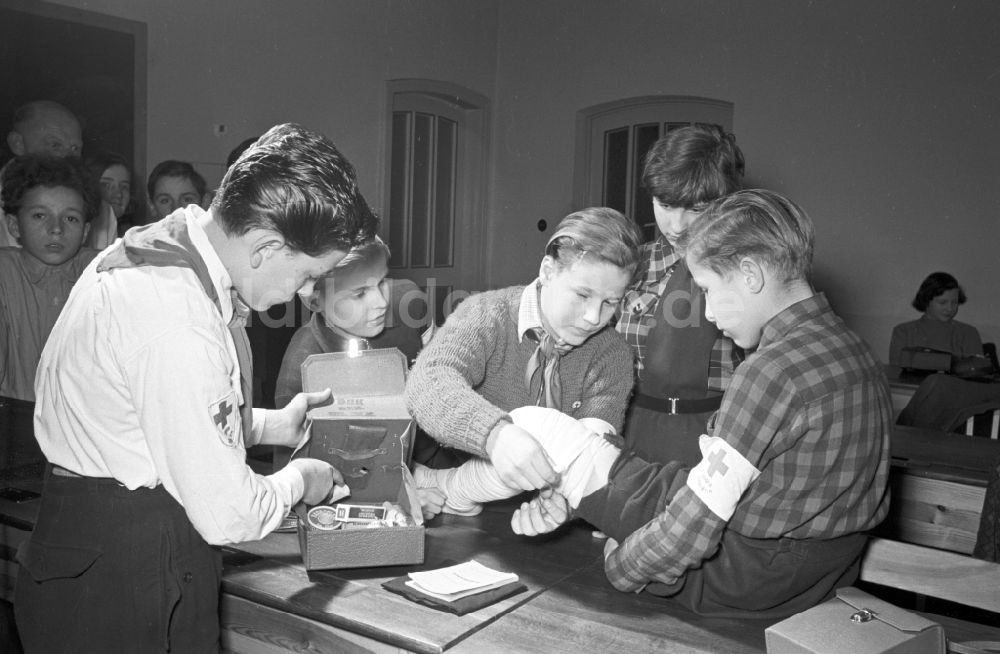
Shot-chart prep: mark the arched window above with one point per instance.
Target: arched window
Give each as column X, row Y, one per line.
column 437, row 153
column 612, row 140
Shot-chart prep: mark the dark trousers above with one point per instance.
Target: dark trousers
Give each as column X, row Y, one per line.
column 745, row 577
column 110, row 570
column 17, row 434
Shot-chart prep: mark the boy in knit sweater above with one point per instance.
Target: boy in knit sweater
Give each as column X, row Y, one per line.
column 543, row 344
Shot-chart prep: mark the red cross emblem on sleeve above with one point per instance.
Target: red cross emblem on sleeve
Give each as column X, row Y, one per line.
column 224, row 417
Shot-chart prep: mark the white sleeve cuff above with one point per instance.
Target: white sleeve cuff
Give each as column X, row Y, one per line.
column 257, row 429
column 289, row 485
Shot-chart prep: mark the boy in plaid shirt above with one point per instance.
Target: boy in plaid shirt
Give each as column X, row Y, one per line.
column 794, row 468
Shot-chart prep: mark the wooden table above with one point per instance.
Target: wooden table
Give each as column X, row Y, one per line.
column 271, row 604
column 901, row 387
column 938, row 484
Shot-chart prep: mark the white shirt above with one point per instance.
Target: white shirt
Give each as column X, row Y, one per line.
column 129, row 386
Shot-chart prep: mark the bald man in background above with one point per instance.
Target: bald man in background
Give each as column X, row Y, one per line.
column 41, row 127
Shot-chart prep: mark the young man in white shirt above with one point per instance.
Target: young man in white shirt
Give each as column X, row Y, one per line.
column 144, row 408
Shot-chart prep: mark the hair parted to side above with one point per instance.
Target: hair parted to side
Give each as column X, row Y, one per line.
column 369, row 252
column 295, row 182
column 691, row 166
column 762, row 225
column 30, row 171
column 598, row 231
column 174, row 168
column 934, row 285
column 360, row 256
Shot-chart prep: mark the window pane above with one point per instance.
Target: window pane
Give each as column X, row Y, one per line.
column 423, row 134
column 642, row 208
column 444, row 193
column 398, row 178
column 616, row 168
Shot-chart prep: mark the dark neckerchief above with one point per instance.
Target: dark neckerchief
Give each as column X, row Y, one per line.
column 167, row 244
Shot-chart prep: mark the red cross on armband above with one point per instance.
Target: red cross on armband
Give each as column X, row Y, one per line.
column 721, row 477
column 716, row 463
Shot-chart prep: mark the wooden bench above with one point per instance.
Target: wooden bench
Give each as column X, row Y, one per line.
column 944, row 575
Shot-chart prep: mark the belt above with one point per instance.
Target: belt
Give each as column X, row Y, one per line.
column 674, row 405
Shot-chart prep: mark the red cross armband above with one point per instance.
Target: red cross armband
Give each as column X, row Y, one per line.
column 721, row 477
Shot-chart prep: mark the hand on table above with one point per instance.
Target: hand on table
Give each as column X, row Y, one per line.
column 541, row 515
column 431, row 501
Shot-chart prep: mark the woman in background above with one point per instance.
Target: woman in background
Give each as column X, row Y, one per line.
column 938, row 299
column 114, row 177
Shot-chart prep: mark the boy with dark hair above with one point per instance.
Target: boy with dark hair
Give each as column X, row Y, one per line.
column 174, row 185
column 794, row 467
column 41, row 127
column 144, row 406
column 683, row 362
column 49, row 204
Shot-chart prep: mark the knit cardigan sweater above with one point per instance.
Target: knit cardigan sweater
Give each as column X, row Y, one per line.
column 471, row 374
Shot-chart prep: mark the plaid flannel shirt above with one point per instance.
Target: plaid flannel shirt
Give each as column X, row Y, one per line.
column 638, row 309
column 811, row 410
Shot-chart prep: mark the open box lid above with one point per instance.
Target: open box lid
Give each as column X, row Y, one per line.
column 366, row 431
column 367, row 383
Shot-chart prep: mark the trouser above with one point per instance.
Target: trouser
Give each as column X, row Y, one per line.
column 110, row 570
column 17, row 433
column 745, row 577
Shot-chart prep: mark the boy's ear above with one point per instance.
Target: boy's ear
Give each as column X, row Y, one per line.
column 752, row 274
column 264, row 244
column 15, row 142
column 546, row 269
column 312, row 302
column 12, row 226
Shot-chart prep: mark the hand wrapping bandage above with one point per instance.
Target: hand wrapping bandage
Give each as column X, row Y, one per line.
column 582, row 457
column 721, row 477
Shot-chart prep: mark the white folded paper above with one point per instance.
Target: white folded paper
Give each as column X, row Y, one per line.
column 458, row 581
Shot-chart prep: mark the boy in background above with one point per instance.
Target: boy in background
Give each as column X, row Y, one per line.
column 174, row 185
column 41, row 127
column 49, row 203
column 794, row 468
column 356, row 307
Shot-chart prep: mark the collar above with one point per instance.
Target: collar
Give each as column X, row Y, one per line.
column 36, row 270
column 331, row 341
column 777, row 327
column 217, row 272
column 662, row 260
column 529, row 314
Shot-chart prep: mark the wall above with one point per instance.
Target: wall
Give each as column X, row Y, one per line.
column 880, row 119
column 250, row 64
